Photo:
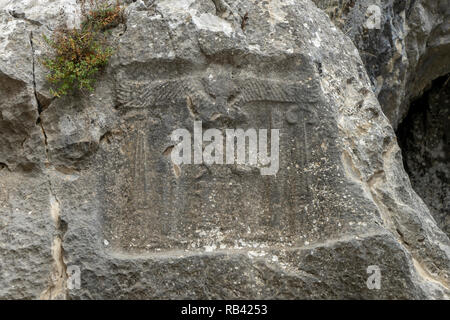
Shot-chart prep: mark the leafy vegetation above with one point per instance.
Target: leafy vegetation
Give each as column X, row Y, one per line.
column 79, row 54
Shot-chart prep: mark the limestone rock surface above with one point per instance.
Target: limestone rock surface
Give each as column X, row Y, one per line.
column 404, row 45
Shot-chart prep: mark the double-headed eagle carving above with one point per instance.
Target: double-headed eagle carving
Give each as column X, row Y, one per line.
column 214, row 94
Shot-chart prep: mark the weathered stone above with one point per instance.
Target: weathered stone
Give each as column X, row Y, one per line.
column 138, row 226
column 404, row 53
column 21, row 141
column 26, row 235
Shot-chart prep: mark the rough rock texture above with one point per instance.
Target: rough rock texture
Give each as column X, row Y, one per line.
column 105, row 197
column 26, row 235
column 408, row 50
column 425, row 141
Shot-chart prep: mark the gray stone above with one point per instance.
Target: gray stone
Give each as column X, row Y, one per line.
column 26, row 236
column 403, row 54
column 408, row 50
column 137, row 226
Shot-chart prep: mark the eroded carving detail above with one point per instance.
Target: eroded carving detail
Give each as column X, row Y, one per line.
column 191, row 207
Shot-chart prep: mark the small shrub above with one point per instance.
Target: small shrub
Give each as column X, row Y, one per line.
column 104, row 17
column 79, row 54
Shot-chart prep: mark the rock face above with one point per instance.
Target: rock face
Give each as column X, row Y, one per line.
column 94, row 193
column 404, row 45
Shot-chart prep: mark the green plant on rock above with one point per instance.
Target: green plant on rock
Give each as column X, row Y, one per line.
column 103, row 16
column 79, row 54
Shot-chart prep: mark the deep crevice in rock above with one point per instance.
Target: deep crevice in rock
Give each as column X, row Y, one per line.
column 57, row 288
column 21, row 16
column 424, row 138
column 40, row 106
